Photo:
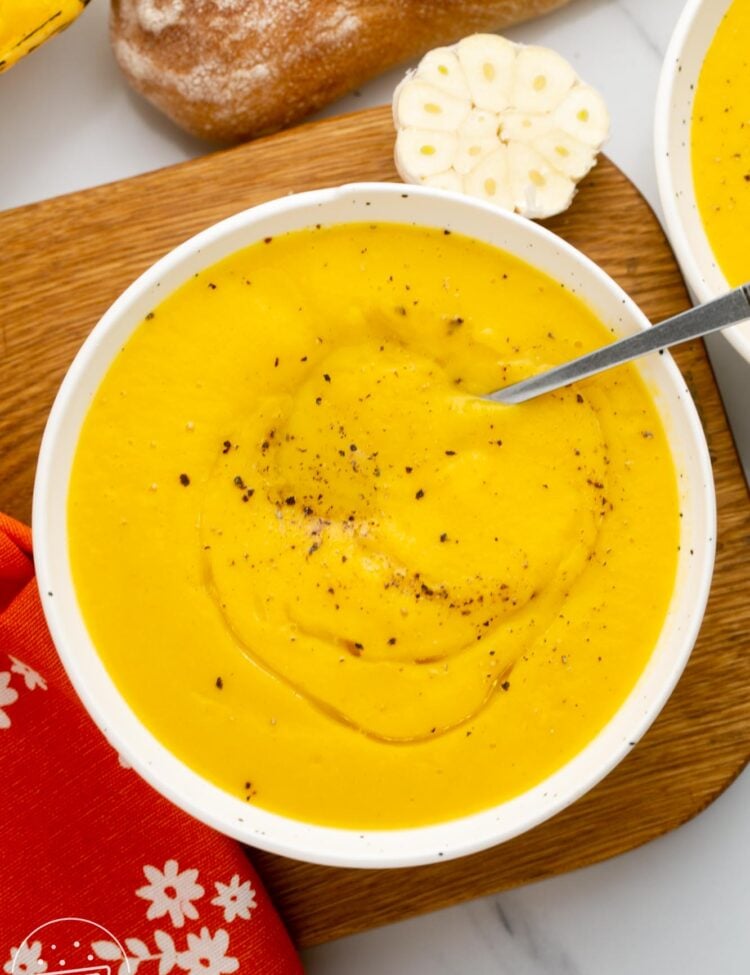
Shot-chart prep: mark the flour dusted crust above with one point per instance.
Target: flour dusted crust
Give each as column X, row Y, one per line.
column 227, row 70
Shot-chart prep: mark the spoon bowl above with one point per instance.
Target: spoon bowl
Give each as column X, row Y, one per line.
column 713, row 316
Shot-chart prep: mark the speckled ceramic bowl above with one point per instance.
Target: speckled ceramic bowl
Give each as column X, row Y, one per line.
column 674, row 109
column 180, row 783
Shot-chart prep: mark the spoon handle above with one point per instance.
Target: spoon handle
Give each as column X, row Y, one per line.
column 730, row 309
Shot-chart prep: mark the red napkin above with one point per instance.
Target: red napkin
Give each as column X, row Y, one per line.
column 143, row 886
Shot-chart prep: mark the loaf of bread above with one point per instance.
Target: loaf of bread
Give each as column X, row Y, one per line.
column 228, row 70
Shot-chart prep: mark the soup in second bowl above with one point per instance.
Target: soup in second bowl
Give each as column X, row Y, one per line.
column 720, row 143
column 329, row 577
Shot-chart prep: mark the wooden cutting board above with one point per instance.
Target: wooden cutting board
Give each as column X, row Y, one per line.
column 65, row 260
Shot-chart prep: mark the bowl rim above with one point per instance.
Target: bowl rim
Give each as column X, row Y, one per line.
column 664, row 154
column 334, row 846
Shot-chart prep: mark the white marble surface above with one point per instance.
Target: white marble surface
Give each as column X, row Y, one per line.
column 680, row 906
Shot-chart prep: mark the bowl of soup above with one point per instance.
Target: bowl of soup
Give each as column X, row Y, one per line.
column 703, row 151
column 314, row 587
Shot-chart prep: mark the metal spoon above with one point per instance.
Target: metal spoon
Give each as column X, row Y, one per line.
column 714, row 315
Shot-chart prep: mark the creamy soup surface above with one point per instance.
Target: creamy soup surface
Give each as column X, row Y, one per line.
column 720, row 143
column 328, row 576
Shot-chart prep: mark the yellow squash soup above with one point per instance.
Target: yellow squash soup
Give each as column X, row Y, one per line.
column 327, row 575
column 721, row 144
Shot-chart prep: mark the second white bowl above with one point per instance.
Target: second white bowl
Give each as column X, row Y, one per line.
column 687, row 50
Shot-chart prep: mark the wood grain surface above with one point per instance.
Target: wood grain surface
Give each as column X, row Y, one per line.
column 65, row 260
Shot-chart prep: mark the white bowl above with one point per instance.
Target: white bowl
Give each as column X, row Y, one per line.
column 170, row 776
column 687, row 49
